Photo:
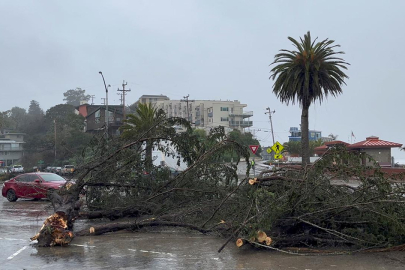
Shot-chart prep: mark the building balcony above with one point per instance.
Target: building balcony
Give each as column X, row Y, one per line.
column 197, row 113
column 240, row 123
column 210, row 114
column 294, row 138
column 115, row 123
column 243, row 115
column 11, row 149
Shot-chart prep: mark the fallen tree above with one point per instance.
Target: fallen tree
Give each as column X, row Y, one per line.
column 295, row 207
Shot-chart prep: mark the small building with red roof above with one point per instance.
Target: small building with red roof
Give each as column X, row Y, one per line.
column 380, row 150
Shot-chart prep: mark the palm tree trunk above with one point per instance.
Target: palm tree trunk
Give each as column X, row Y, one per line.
column 304, row 134
column 148, row 156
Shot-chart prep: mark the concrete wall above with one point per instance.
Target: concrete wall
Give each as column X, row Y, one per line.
column 381, row 155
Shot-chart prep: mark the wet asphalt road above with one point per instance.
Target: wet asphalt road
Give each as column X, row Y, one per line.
column 163, row 249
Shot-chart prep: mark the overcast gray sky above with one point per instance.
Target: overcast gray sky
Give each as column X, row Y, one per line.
column 209, row 50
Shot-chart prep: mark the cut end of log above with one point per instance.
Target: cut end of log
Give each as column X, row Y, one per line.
column 222, row 221
column 261, row 236
column 268, row 241
column 252, row 239
column 239, row 242
column 54, row 231
column 253, row 181
column 92, row 230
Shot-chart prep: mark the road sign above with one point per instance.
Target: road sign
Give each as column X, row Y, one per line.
column 254, row 148
column 277, row 148
column 278, row 156
column 268, row 150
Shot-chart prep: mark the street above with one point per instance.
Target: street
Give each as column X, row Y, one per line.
column 163, row 248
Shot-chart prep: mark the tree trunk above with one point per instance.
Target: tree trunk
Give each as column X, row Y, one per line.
column 148, row 155
column 304, row 133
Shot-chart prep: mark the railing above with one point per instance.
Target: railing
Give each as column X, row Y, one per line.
column 240, row 123
column 115, row 123
column 5, row 148
column 243, row 115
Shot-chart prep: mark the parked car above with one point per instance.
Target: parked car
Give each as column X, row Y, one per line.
column 31, row 185
column 17, row 169
column 57, row 170
column 3, row 171
column 68, row 169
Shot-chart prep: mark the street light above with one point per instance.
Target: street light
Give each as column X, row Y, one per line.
column 106, row 114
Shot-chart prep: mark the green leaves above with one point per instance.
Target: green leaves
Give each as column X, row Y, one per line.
column 310, row 73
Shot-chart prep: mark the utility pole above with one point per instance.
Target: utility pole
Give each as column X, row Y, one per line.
column 187, row 101
column 120, row 94
column 54, row 127
column 271, row 122
column 92, row 98
column 254, row 132
column 123, row 97
column 106, row 113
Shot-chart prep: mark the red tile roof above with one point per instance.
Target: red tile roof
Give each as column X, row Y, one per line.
column 374, row 142
column 336, row 142
column 322, row 149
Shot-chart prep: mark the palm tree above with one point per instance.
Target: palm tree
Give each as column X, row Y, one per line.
column 140, row 123
column 310, row 73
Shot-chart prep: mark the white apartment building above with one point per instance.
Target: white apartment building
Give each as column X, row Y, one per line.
column 204, row 113
column 11, row 148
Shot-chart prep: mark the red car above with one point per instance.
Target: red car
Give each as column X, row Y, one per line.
column 31, row 185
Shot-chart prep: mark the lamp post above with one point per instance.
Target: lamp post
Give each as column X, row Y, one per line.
column 106, row 114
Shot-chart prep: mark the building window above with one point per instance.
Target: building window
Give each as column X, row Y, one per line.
column 224, row 119
column 224, row 109
column 110, row 116
column 97, row 116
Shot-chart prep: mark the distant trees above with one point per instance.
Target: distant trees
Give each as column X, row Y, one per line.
column 34, row 109
column 70, row 138
column 294, row 148
column 311, row 72
column 245, row 139
column 17, row 119
column 4, row 120
column 39, row 128
column 75, row 96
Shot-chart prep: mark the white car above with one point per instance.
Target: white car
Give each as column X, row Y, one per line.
column 17, row 169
